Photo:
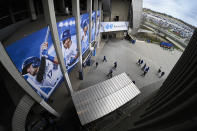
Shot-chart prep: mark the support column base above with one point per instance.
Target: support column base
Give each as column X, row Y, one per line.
column 80, row 75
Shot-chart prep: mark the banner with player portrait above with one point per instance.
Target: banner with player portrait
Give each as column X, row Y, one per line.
column 114, row 26
column 98, row 23
column 93, row 26
column 35, row 57
column 84, row 32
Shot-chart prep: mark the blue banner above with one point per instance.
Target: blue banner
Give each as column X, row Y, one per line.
column 93, row 26
column 35, row 57
column 98, row 23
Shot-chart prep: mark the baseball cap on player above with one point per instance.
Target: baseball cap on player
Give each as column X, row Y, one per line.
column 93, row 16
column 66, row 34
column 84, row 23
column 35, row 61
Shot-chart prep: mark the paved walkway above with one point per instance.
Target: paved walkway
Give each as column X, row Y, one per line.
column 126, row 55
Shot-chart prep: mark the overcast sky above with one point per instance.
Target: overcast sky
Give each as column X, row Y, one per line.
column 185, row 10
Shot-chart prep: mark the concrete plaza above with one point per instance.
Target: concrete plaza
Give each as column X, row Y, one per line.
column 126, row 55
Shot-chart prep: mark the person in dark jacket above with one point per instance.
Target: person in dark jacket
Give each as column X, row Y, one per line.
column 162, row 74
column 104, row 59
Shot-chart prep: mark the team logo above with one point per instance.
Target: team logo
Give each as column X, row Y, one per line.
column 109, row 26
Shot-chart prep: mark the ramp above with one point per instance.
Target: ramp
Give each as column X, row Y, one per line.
column 99, row 100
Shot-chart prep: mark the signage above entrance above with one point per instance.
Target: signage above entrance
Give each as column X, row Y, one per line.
column 114, row 26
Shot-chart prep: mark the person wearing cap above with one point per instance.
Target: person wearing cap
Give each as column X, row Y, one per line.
column 98, row 22
column 84, row 35
column 42, row 74
column 93, row 26
column 69, row 49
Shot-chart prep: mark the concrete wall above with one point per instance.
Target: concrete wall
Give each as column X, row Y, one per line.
column 9, row 30
column 120, row 8
column 137, row 14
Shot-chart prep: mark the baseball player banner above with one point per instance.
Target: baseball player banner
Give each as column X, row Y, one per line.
column 93, row 26
column 114, row 26
column 84, row 32
column 98, row 23
column 35, row 57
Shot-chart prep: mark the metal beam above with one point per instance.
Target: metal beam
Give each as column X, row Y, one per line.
column 49, row 14
column 89, row 10
column 76, row 13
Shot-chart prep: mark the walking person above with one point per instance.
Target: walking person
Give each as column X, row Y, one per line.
column 162, row 74
column 159, row 70
column 96, row 64
column 110, row 74
column 139, row 61
column 144, row 67
column 104, row 59
column 115, row 65
column 145, row 71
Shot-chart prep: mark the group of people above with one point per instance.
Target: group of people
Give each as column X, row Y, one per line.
column 110, row 74
column 144, row 68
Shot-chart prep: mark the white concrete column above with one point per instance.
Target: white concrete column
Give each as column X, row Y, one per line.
column 89, row 10
column 32, row 10
column 100, row 8
column 76, row 13
column 50, row 18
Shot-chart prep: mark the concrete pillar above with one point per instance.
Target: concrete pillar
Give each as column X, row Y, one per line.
column 50, row 18
column 37, row 8
column 62, row 6
column 11, row 15
column 89, row 10
column 100, row 8
column 32, row 10
column 76, row 13
column 96, row 9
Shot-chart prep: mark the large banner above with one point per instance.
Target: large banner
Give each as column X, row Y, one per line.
column 35, row 57
column 98, row 23
column 114, row 26
column 93, row 26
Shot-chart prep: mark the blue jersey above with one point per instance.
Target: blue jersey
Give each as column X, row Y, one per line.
column 51, row 78
column 93, row 32
column 69, row 53
column 84, row 42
